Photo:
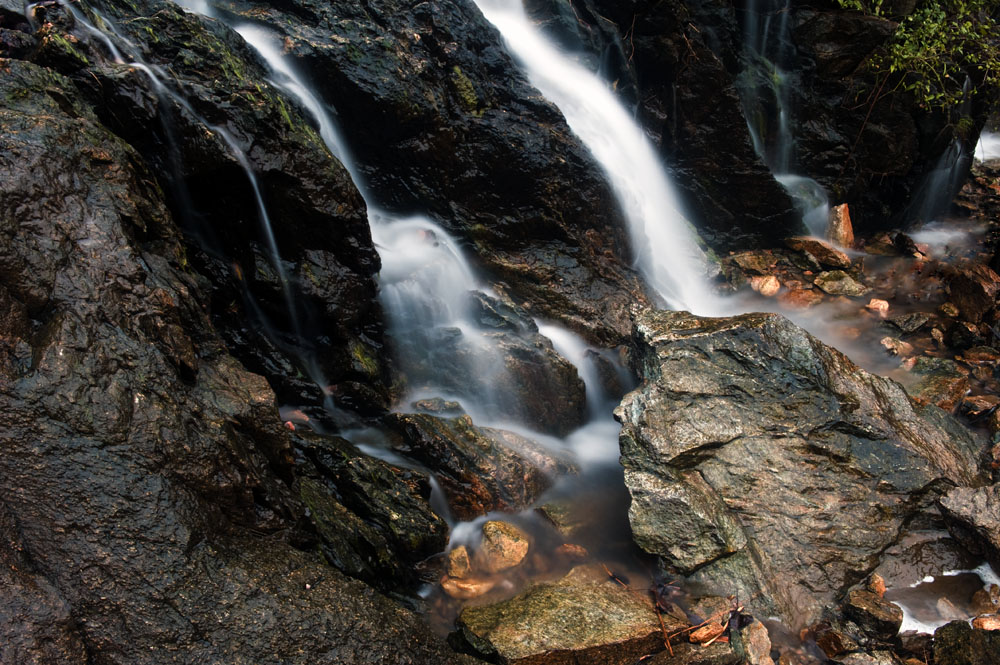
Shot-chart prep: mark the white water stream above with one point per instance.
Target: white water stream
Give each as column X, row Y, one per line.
column 768, row 50
column 662, row 239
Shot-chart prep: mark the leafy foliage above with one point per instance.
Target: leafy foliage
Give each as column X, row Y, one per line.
column 941, row 52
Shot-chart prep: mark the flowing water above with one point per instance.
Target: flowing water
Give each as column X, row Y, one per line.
column 427, row 283
column 988, row 147
column 667, row 254
column 766, row 93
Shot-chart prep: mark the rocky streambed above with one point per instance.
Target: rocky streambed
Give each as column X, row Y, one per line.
column 156, row 507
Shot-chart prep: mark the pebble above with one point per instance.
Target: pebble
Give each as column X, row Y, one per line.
column 880, row 307
column 466, row 589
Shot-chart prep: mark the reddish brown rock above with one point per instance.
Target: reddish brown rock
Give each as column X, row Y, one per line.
column 878, row 306
column 876, row 616
column 897, row 347
column 800, row 298
column 467, row 589
column 876, row 585
column 839, row 230
column 758, row 262
column 974, row 291
column 825, row 253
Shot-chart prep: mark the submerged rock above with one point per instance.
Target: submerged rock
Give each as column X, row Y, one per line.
column 585, row 617
column 762, row 462
column 504, row 546
column 839, row 283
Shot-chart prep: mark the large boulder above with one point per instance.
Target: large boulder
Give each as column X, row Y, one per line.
column 147, row 503
column 761, row 461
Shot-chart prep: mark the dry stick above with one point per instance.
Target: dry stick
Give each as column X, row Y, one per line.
column 663, row 628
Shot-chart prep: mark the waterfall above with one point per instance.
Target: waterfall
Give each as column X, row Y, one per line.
column 766, row 93
column 662, row 239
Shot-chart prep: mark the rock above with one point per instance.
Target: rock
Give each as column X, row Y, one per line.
column 438, row 406
column 826, row 254
column 974, row 519
column 987, row 622
column 986, row 601
column 480, row 469
column 458, row 562
column 918, row 645
column 152, row 489
column 974, row 291
column 753, row 644
column 758, row 262
column 765, row 286
column 839, row 283
column 504, row 546
column 948, row 310
column 583, row 618
column 948, row 612
column 876, row 585
column 941, row 382
column 958, row 643
column 874, row 615
column 896, row 347
column 839, row 229
column 572, row 551
column 753, row 452
column 880, row 307
column 833, row 641
column 963, row 335
column 502, row 366
column 374, row 519
column 873, row 658
column 467, row 588
column 910, row 323
column 717, row 653
column 801, row 298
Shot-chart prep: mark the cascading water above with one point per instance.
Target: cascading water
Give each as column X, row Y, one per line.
column 766, row 94
column 662, row 239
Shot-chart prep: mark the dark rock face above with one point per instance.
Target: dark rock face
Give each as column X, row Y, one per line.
column 441, row 122
column 679, row 63
column 138, row 456
column 316, row 214
column 957, row 643
column 762, row 461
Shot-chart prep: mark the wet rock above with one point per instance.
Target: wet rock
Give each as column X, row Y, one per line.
column 986, row 601
column 826, row 254
column 839, row 229
column 963, row 335
column 480, row 468
column 718, row 653
column 833, row 641
column 758, row 262
column 910, row 323
column 467, row 588
column 974, row 291
column 707, row 633
column 880, row 307
column 839, row 283
column 746, row 428
column 940, row 382
column 987, row 622
column 374, row 518
column 523, row 364
column 765, row 286
column 169, row 487
column 974, row 518
column 503, row 546
column 948, row 310
column 918, row 645
column 459, row 564
column 801, row 298
column 958, row 643
column 896, row 347
column 438, row 406
column 876, row 616
column 876, row 585
column 584, row 617
column 865, row 658
column 753, row 643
